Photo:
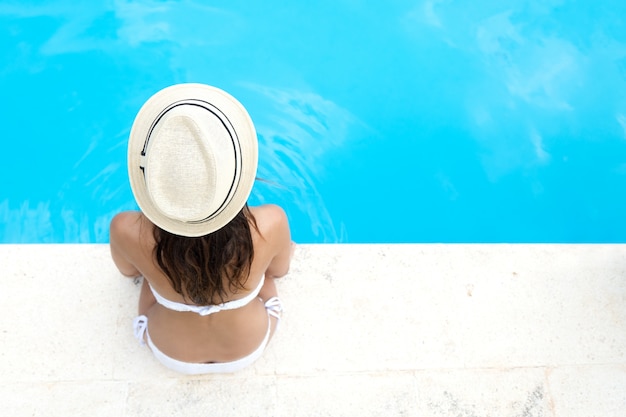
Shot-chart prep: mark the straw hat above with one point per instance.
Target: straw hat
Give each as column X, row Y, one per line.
column 192, row 158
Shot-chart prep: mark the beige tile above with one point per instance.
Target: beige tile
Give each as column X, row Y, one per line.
column 589, row 391
column 544, row 305
column 63, row 398
column 219, row 395
column 346, row 395
column 431, row 306
column 357, row 309
column 58, row 324
column 483, row 393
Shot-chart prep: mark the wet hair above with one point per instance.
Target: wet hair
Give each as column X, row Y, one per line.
column 206, row 269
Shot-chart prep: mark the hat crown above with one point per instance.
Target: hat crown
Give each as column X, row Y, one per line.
column 188, row 147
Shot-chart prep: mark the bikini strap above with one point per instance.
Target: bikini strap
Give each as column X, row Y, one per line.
column 210, row 309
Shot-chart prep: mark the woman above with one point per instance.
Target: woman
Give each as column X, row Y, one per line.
column 208, row 301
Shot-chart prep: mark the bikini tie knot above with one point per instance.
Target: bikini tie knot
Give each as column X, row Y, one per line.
column 140, row 324
column 207, row 310
column 274, row 307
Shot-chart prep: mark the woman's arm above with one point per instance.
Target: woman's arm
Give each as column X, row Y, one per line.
column 279, row 237
column 119, row 238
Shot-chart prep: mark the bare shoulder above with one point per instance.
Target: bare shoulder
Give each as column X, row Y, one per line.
column 126, row 229
column 271, row 220
column 124, row 237
column 275, row 239
column 125, row 222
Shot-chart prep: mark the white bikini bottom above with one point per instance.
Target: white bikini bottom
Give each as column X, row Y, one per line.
column 140, row 326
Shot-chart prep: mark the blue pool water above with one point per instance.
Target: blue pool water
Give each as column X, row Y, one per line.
column 396, row 121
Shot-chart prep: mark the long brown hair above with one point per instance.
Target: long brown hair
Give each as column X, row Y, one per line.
column 205, row 269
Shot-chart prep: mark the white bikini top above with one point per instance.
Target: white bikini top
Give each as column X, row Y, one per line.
column 210, row 309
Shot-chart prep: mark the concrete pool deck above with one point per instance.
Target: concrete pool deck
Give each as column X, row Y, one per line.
column 369, row 330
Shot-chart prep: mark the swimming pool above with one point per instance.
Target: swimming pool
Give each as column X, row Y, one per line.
column 402, row 121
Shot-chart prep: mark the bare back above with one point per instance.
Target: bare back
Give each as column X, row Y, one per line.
column 187, row 336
